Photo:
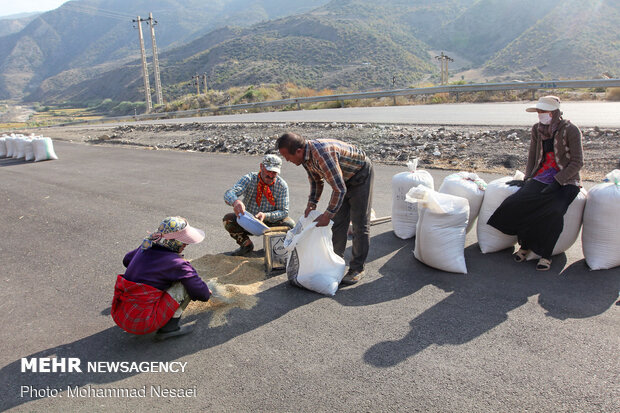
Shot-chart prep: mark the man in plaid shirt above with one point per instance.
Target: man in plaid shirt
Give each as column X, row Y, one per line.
column 349, row 172
column 265, row 195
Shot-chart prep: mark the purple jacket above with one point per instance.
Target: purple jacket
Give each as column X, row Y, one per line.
column 160, row 267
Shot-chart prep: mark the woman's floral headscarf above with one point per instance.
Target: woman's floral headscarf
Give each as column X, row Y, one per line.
column 168, row 225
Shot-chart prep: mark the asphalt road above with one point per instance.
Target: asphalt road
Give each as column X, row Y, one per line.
column 504, row 337
column 584, row 114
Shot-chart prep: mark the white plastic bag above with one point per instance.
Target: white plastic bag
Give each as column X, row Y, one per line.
column 600, row 235
column 441, row 229
column 405, row 214
column 469, row 186
column 312, row 262
column 21, row 148
column 572, row 226
column 489, row 238
column 43, row 149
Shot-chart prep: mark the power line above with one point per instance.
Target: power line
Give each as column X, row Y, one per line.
column 93, row 11
column 444, row 62
column 158, row 91
column 145, row 72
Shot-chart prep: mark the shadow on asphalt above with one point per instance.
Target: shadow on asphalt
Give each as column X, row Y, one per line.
column 479, row 301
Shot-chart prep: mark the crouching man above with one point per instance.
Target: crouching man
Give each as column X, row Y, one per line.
column 159, row 283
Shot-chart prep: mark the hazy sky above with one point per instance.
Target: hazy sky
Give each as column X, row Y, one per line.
column 8, row 7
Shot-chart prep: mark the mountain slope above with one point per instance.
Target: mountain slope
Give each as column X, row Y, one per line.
column 85, row 33
column 578, row 39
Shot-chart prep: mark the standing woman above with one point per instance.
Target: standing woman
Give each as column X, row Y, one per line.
column 535, row 213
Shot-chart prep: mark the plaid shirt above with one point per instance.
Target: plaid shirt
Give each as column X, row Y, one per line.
column 139, row 308
column 246, row 187
column 335, row 162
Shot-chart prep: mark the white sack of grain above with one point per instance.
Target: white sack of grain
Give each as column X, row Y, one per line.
column 467, row 185
column 600, row 235
column 43, row 149
column 572, row 226
column 10, row 146
column 405, row 214
column 28, row 150
column 3, row 147
column 489, row 238
column 312, row 262
column 441, row 229
column 21, row 147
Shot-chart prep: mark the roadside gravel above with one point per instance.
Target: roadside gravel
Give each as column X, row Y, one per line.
column 473, row 149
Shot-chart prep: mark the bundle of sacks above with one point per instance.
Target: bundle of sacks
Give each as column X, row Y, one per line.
column 29, row 148
column 405, row 214
column 600, row 237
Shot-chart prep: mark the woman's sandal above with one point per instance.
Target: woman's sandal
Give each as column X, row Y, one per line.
column 543, row 264
column 520, row 255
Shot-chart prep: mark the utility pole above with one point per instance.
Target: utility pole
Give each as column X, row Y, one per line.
column 444, row 62
column 158, row 92
column 145, row 72
column 196, row 80
column 204, row 78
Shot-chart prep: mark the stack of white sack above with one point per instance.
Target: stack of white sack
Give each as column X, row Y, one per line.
column 405, row 214
column 311, row 261
column 489, row 238
column 441, row 229
column 29, row 148
column 572, row 226
column 467, row 185
column 600, row 236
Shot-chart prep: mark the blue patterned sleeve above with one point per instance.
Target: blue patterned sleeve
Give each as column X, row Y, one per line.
column 235, row 192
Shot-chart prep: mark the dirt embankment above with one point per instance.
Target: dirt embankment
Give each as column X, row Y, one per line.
column 475, row 149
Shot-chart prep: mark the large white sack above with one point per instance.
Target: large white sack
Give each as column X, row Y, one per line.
column 21, row 148
column 489, row 238
column 467, row 185
column 312, row 262
column 3, row 147
column 572, row 226
column 43, row 149
column 10, row 146
column 441, row 229
column 405, row 214
column 600, row 235
column 28, row 150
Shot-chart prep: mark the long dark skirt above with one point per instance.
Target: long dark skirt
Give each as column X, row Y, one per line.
column 536, row 219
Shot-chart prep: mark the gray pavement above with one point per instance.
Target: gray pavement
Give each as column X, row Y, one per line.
column 504, row 337
column 585, row 114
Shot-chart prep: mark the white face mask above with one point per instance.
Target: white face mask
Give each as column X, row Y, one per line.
column 544, row 118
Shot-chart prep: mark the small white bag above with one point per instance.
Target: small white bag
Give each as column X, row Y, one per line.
column 440, row 232
column 405, row 214
column 600, row 235
column 489, row 238
column 469, row 186
column 312, row 262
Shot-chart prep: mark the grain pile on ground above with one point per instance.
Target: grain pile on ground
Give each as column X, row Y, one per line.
column 239, row 279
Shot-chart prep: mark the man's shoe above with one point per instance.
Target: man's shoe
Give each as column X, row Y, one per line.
column 243, row 251
column 352, row 277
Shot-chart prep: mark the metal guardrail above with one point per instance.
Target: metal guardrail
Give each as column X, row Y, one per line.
column 479, row 87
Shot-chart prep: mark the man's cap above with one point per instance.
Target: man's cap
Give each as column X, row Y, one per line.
column 546, row 103
column 272, row 163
